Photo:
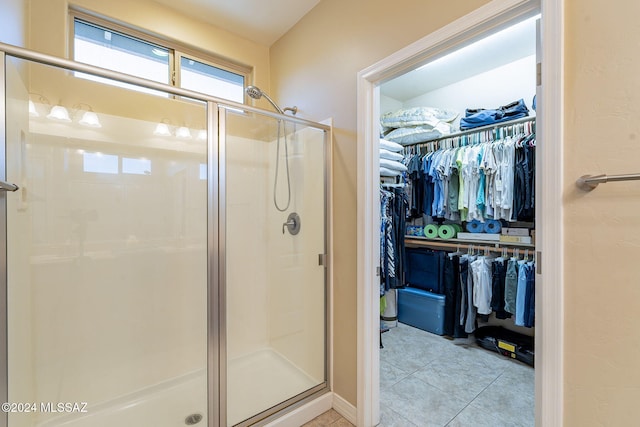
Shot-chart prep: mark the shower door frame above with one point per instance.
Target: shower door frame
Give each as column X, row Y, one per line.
column 4, row 330
column 216, row 274
column 218, row 115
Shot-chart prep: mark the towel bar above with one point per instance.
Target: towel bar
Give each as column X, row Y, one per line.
column 5, row 186
column 589, row 182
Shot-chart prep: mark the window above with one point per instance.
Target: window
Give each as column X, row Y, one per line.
column 201, row 77
column 110, row 163
column 112, row 47
column 136, row 166
column 100, row 163
column 114, row 51
column 107, row 49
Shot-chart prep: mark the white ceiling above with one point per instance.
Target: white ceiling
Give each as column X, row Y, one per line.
column 511, row 44
column 262, row 21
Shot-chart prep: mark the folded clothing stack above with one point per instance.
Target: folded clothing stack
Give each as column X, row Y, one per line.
column 476, row 117
column 417, row 124
column 391, row 159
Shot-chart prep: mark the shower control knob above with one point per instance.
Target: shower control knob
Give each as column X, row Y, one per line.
column 287, row 225
column 292, row 224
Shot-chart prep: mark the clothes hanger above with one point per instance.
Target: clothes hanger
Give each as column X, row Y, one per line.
column 456, row 253
column 502, row 255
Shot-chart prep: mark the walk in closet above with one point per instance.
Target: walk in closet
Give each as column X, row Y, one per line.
column 457, row 236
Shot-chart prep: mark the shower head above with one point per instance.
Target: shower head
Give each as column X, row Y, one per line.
column 255, row 93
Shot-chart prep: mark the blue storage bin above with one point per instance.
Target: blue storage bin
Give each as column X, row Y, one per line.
column 421, row 309
column 424, row 269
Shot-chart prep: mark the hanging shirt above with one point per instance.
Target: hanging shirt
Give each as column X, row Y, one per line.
column 461, row 187
column 470, row 318
column 415, row 188
column 428, row 184
column 480, row 199
column 387, row 256
column 438, row 201
column 499, row 272
column 511, row 286
column 504, row 181
column 488, row 167
column 470, row 170
column 453, row 213
column 482, row 285
column 530, row 299
column 443, row 172
column 522, row 293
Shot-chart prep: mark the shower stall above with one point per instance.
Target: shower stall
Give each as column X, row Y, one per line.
column 151, row 279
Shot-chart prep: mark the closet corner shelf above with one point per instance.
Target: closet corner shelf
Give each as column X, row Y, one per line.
column 454, row 243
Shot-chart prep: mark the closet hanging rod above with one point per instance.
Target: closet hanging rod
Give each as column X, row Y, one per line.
column 409, row 242
column 589, row 182
column 453, row 243
column 476, row 130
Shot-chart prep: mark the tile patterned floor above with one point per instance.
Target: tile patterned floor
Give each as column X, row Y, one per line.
column 329, row 418
column 429, row 381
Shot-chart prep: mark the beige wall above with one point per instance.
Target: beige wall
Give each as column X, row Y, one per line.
column 602, row 228
column 314, row 66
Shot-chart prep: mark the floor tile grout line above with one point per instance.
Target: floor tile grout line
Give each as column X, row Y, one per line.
column 412, row 375
column 400, row 415
column 444, row 391
column 474, row 398
column 503, row 371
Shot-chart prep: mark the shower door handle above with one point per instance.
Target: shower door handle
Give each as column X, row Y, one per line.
column 6, row 186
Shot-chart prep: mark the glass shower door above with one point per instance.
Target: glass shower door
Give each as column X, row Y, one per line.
column 273, row 213
column 107, row 254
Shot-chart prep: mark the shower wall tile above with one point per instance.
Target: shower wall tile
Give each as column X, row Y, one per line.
column 246, row 246
column 117, row 264
column 296, row 280
column 118, row 273
column 21, row 386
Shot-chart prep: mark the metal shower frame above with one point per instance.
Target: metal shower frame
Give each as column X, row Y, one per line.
column 216, row 234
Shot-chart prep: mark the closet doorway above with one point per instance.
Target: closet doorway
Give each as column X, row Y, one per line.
column 487, row 20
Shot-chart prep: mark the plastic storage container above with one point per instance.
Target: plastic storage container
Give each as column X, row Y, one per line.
column 424, row 269
column 508, row 343
column 421, row 309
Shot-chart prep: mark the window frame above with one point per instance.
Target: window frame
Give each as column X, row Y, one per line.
column 176, row 50
column 178, row 55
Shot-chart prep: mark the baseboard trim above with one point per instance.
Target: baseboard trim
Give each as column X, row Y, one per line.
column 344, row 408
column 305, row 413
